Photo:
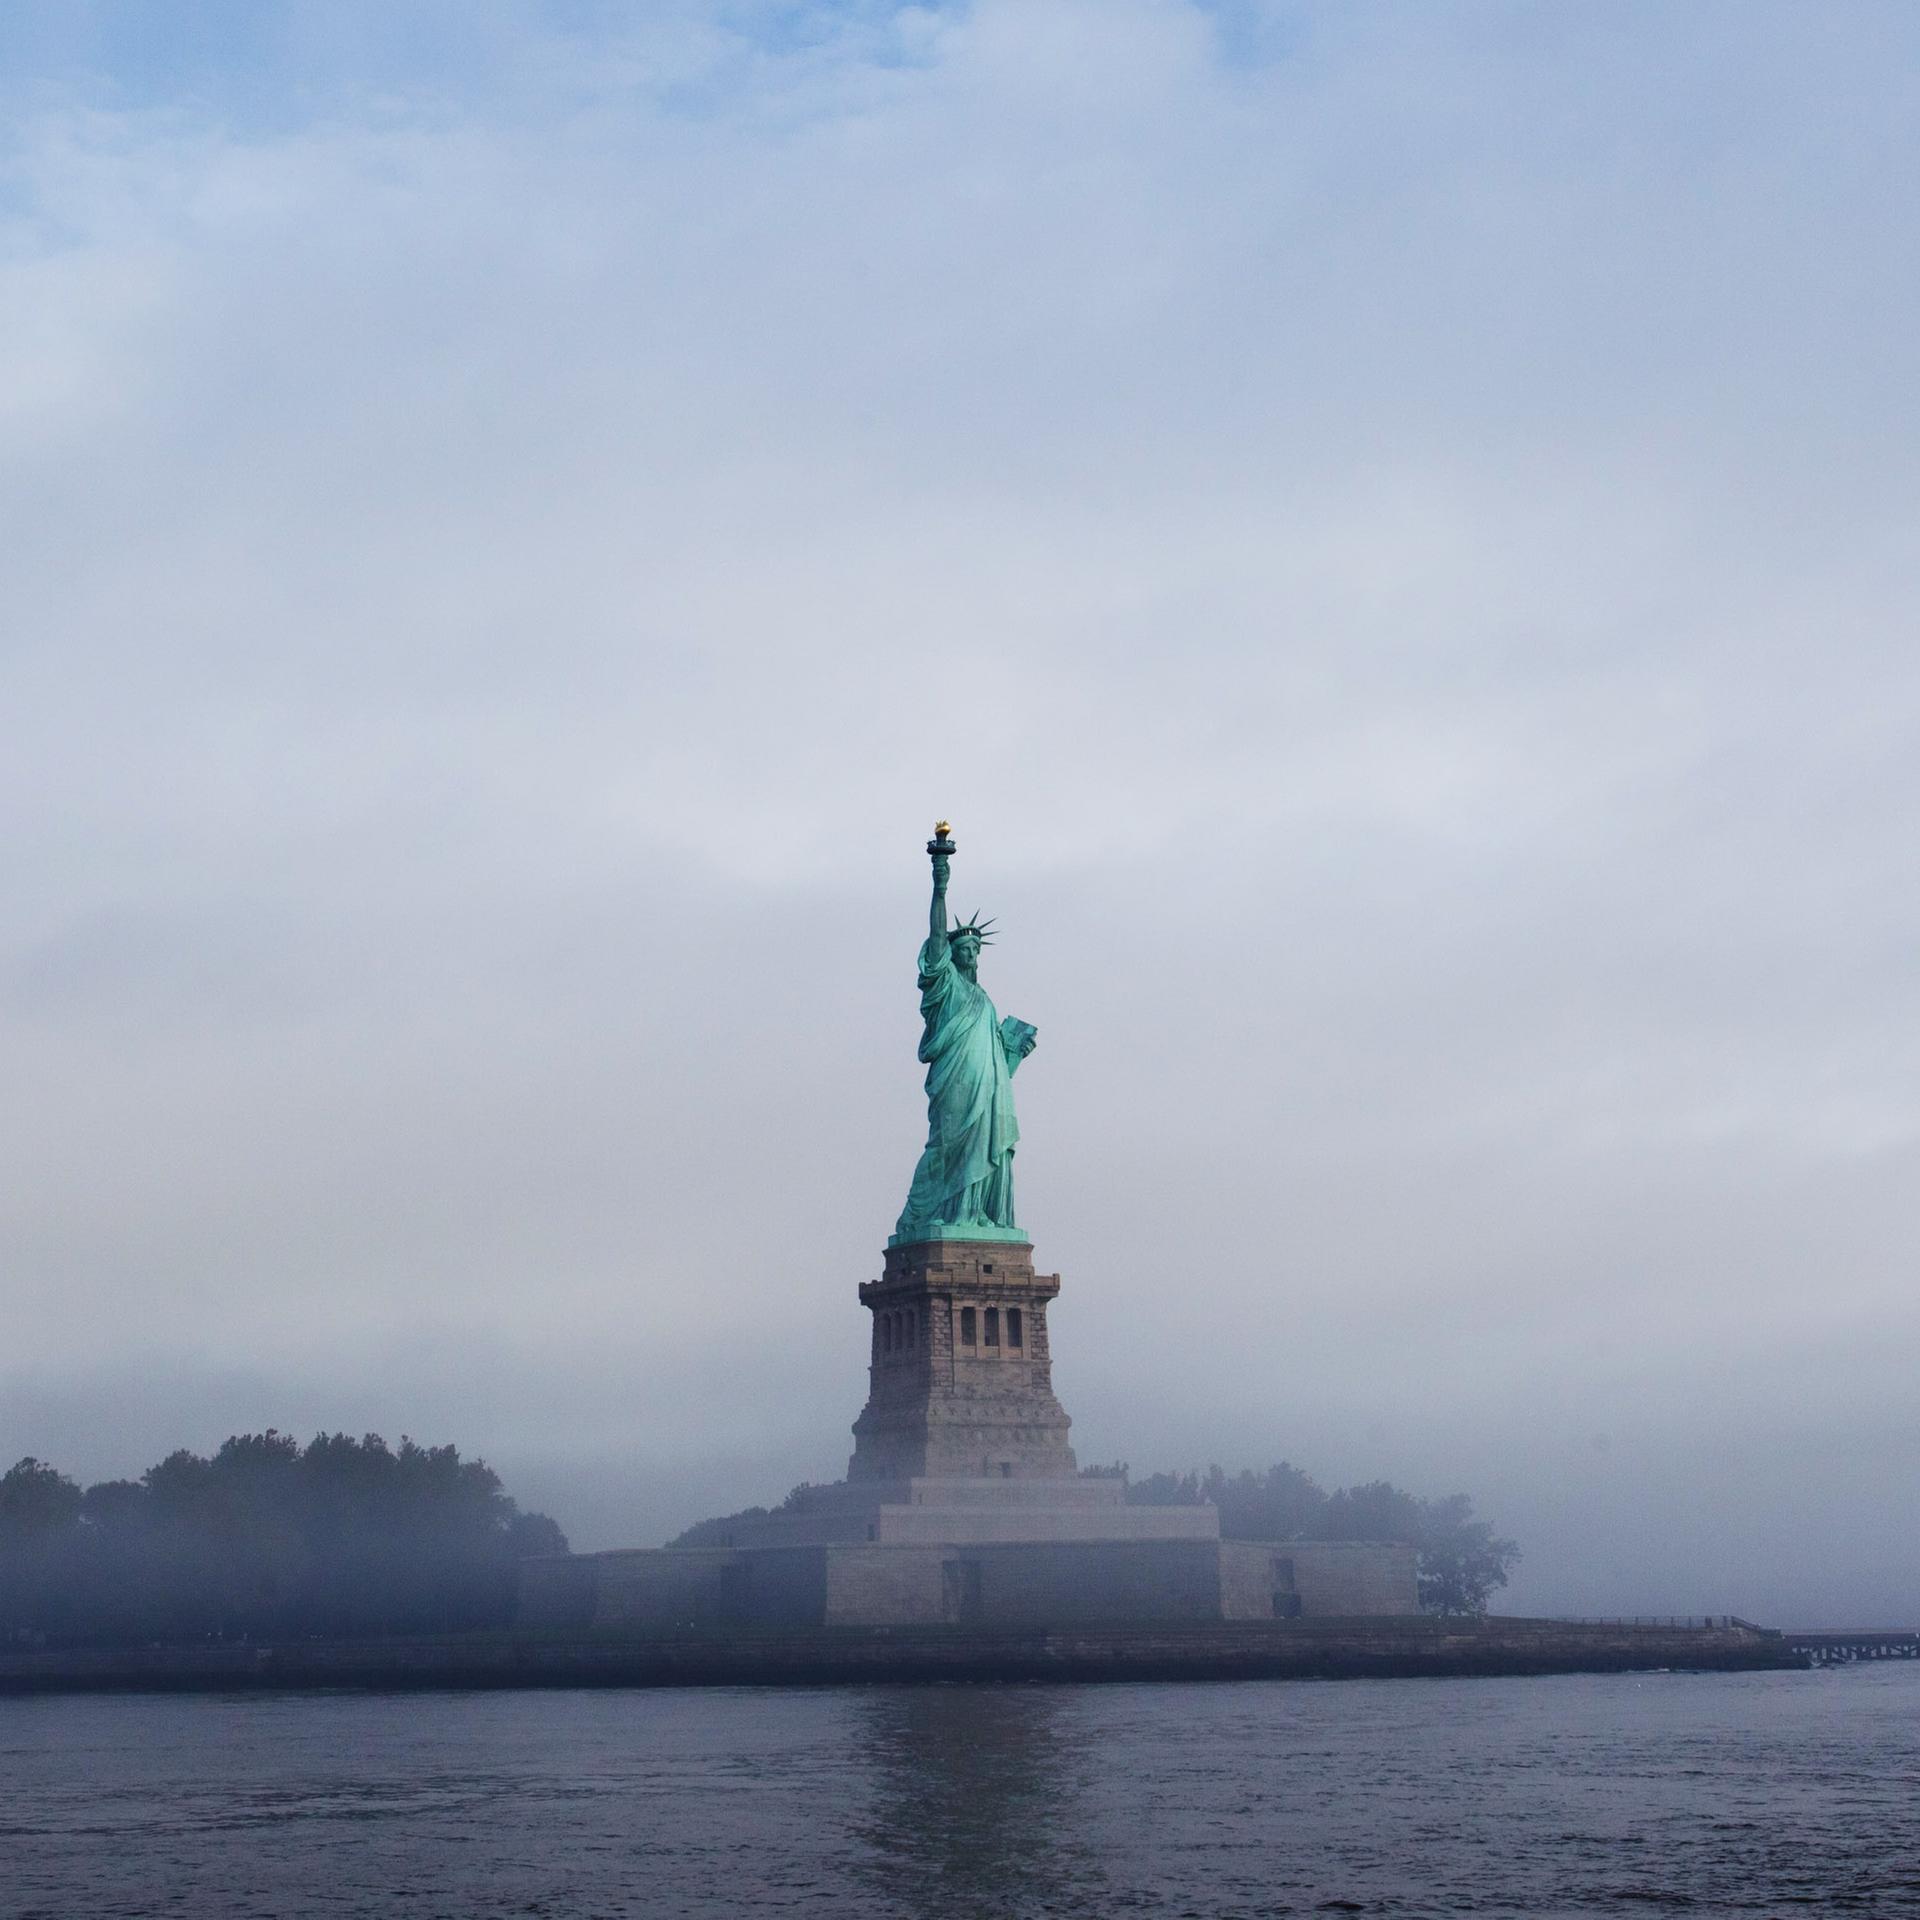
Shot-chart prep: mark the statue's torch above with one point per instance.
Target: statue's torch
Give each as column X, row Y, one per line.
column 942, row 842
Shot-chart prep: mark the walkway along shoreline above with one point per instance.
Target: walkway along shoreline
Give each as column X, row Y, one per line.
column 1328, row 1649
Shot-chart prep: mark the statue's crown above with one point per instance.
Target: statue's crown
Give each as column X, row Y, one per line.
column 976, row 926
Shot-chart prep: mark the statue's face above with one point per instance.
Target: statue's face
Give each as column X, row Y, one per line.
column 966, row 951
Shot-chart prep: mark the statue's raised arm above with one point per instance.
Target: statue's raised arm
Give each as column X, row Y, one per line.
column 963, row 1186
column 940, row 848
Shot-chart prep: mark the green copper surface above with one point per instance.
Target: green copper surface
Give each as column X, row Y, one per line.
column 963, row 1187
column 962, row 1230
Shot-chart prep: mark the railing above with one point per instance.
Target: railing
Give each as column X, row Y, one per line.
column 1722, row 1620
column 1839, row 1647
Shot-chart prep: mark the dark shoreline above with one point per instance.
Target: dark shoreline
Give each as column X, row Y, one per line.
column 1317, row 1649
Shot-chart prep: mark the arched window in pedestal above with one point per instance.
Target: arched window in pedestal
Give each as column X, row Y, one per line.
column 1014, row 1329
column 966, row 1326
column 993, row 1327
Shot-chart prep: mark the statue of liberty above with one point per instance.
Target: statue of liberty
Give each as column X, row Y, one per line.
column 963, row 1187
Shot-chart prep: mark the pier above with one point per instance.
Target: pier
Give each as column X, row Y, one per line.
column 1843, row 1647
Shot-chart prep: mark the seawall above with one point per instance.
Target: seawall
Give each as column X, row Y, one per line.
column 1300, row 1649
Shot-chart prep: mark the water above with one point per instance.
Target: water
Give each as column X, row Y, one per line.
column 1761, row 1793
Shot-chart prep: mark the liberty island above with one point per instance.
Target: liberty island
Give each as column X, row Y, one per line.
column 963, row 1503
column 963, row 1541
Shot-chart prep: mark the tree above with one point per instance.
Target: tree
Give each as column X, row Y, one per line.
column 1462, row 1562
column 266, row 1537
column 39, row 1535
column 1166, row 1490
column 716, row 1532
column 719, row 1531
column 1376, row 1511
column 532, row 1534
column 36, row 1501
column 1281, row 1504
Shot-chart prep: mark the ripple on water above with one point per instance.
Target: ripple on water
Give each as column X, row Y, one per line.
column 1727, row 1794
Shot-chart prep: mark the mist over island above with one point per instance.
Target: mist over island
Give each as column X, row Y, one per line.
column 958, row 958
column 1391, row 528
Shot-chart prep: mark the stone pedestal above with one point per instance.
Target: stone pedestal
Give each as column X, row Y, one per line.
column 961, row 1375
column 962, row 1503
column 971, row 1512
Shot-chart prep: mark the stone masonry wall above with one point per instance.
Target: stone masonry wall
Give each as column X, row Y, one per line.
column 941, row 1404
column 1254, row 1581
column 882, row 1586
column 1048, row 1583
column 1347, row 1577
column 661, row 1587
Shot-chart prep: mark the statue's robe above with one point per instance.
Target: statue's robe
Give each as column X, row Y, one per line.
column 965, row 1176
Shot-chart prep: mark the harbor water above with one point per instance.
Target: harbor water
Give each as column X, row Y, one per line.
column 1765, row 1793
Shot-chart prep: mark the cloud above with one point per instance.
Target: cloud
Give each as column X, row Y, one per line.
column 1388, row 532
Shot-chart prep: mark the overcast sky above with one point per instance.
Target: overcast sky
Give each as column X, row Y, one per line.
column 1390, row 530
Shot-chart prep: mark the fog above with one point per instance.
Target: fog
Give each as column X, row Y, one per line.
column 1389, row 531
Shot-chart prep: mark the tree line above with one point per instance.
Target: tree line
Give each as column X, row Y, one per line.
column 265, row 1539
column 1462, row 1560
